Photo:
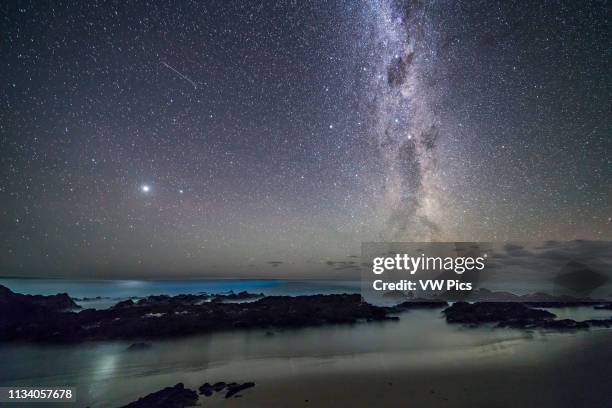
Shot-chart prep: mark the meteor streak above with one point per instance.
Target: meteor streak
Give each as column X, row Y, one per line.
column 185, row 77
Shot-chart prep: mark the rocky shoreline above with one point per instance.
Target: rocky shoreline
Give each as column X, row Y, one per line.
column 518, row 315
column 180, row 397
column 56, row 319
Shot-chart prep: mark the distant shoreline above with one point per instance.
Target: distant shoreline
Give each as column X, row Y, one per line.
column 177, row 279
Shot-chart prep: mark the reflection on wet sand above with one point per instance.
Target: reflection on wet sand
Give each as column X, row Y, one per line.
column 419, row 358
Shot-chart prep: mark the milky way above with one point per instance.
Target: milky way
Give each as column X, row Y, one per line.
column 247, row 138
column 406, row 125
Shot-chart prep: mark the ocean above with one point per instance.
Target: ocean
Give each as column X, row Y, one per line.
column 365, row 360
column 112, row 291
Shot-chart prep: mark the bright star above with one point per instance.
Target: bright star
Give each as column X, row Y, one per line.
column 145, row 188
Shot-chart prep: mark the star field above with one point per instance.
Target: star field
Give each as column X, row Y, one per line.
column 149, row 139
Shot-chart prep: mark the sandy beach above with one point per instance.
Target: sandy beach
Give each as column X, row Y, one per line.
column 495, row 375
column 419, row 361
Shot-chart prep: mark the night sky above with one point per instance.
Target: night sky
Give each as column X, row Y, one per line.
column 241, row 138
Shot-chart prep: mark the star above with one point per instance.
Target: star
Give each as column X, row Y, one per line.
column 376, row 122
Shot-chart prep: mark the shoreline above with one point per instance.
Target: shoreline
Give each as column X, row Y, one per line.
column 483, row 375
column 418, row 360
column 59, row 319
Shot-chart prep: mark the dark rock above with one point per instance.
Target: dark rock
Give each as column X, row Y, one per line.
column 396, row 295
column 193, row 299
column 599, row 322
column 170, row 397
column 493, row 312
column 34, row 314
column 89, row 299
column 233, row 388
column 166, row 316
column 139, row 346
column 419, row 303
column 219, row 386
column 240, row 296
column 156, row 300
column 54, row 303
column 123, row 304
column 514, row 315
column 206, row 389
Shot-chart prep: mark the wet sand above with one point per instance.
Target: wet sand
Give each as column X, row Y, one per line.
column 493, row 377
column 419, row 361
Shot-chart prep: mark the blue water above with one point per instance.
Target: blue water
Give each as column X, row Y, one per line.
column 112, row 291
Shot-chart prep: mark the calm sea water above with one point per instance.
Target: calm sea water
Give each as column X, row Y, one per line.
column 112, row 291
column 105, row 375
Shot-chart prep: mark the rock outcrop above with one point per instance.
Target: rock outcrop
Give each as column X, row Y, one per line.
column 493, row 312
column 170, row 397
column 28, row 318
column 232, row 389
column 515, row 315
